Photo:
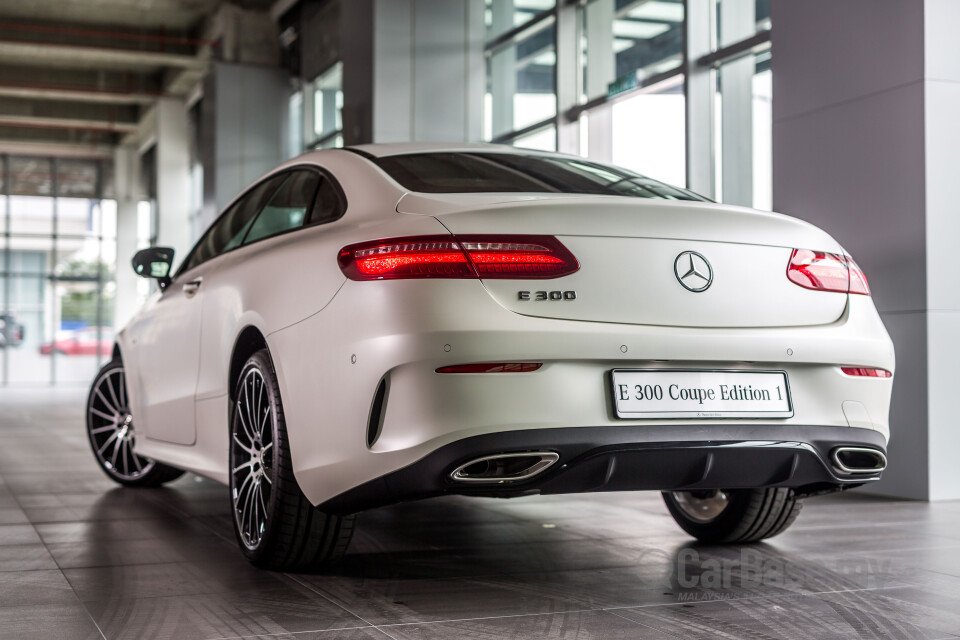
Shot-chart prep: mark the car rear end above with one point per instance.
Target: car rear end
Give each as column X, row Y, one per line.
column 557, row 344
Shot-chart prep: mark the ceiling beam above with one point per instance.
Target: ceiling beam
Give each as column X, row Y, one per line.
column 35, row 122
column 58, row 149
column 104, row 96
column 84, row 57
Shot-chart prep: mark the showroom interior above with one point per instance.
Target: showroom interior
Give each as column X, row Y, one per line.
column 126, row 124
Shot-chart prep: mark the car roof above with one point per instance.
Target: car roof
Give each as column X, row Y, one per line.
column 403, row 148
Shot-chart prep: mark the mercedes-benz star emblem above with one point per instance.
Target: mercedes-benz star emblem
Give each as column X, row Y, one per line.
column 693, row 271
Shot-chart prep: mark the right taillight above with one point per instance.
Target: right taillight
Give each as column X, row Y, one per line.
column 473, row 256
column 822, row 271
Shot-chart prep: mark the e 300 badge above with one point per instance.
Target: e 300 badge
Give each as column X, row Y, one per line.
column 547, row 295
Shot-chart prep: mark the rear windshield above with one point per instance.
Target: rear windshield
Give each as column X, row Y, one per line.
column 511, row 172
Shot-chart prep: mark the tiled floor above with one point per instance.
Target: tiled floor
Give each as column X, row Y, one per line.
column 82, row 558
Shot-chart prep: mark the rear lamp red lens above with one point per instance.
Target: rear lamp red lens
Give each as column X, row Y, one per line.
column 866, row 372
column 474, row 256
column 822, row 271
column 492, row 367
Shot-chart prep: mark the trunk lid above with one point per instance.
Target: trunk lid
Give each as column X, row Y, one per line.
column 633, row 254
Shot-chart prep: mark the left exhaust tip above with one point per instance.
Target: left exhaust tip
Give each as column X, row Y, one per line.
column 505, row 467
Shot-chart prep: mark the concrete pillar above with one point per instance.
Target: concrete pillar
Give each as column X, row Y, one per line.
column 865, row 144
column 737, row 22
column 699, row 93
column 173, row 177
column 601, row 71
column 126, row 166
column 428, row 71
column 503, row 70
column 568, row 76
column 245, row 116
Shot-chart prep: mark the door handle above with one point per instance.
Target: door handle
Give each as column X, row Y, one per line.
column 190, row 288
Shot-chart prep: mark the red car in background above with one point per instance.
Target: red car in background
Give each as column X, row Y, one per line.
column 84, row 342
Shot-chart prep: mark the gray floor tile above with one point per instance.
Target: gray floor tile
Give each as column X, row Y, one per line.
column 25, row 557
column 26, row 588
column 579, row 625
column 47, row 622
column 218, row 615
column 18, row 534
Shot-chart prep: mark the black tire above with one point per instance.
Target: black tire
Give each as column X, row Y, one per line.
column 750, row 515
column 110, row 431
column 276, row 526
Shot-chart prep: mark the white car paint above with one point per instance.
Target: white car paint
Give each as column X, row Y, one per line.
column 332, row 340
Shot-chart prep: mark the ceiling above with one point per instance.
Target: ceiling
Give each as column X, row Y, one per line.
column 77, row 76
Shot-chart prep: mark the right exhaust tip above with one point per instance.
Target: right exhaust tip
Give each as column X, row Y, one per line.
column 857, row 460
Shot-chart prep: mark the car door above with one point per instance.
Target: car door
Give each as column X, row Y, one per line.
column 167, row 338
column 234, row 277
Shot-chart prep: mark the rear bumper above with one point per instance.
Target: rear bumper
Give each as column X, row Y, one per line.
column 628, row 458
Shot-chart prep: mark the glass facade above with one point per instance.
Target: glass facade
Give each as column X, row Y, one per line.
column 57, row 265
column 616, row 88
column 629, row 39
column 649, row 133
column 328, row 103
column 521, row 81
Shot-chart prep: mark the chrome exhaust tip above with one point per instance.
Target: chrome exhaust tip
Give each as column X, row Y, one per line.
column 858, row 460
column 505, row 467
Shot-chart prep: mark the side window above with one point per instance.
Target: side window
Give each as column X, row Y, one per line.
column 229, row 229
column 288, row 207
column 329, row 205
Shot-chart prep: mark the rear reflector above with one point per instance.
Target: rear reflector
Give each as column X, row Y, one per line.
column 492, row 367
column 823, row 271
column 493, row 257
column 866, row 372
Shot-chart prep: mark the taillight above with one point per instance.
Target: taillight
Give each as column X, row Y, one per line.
column 866, row 372
column 823, row 271
column 492, row 367
column 473, row 256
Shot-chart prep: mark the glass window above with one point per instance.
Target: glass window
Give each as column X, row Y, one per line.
column 630, row 40
column 739, row 19
column 230, row 228
column 328, row 101
column 329, row 206
column 744, row 167
column 520, row 82
column 649, row 133
column 542, row 140
column 287, row 208
column 77, row 178
column 518, row 172
column 31, row 177
column 31, row 215
column 500, row 16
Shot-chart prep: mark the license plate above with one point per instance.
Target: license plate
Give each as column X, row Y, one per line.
column 658, row 393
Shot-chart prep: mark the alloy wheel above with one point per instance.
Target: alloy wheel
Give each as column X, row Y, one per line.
column 252, row 459
column 701, row 506
column 111, row 427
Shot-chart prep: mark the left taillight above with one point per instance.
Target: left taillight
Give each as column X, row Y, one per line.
column 822, row 271
column 472, row 256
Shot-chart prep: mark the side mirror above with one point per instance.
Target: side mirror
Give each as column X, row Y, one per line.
column 154, row 262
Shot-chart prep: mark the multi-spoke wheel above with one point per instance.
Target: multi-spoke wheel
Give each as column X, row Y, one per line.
column 735, row 515
column 253, row 467
column 275, row 524
column 110, row 428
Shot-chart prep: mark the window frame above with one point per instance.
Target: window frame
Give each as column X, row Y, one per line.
column 310, row 220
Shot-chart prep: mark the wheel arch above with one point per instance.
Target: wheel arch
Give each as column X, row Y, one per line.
column 248, row 342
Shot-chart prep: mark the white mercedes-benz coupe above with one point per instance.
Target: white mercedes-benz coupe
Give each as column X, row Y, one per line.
column 384, row 323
